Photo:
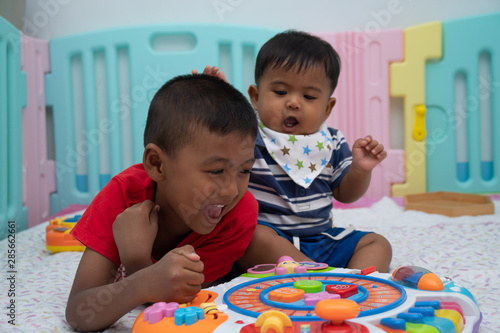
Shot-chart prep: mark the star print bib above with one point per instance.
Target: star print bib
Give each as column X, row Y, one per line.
column 302, row 157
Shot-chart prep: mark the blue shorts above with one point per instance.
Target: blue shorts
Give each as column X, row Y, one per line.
column 323, row 249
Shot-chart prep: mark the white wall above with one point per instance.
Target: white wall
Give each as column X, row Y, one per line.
column 53, row 18
column 48, row 19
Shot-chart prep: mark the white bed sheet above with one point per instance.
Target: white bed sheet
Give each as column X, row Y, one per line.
column 466, row 249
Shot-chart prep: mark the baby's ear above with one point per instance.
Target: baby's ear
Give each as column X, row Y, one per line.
column 253, row 93
column 329, row 107
column 154, row 162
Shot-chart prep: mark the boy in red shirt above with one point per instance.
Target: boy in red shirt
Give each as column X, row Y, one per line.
column 164, row 229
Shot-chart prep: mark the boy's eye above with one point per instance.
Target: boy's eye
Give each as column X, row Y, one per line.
column 217, row 172
column 309, row 97
column 246, row 171
column 280, row 92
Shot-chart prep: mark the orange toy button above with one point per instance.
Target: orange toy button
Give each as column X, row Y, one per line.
column 430, row 281
column 286, row 295
column 337, row 310
column 344, row 290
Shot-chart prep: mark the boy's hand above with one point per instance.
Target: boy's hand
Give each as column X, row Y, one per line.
column 367, row 153
column 177, row 277
column 212, row 71
column 135, row 231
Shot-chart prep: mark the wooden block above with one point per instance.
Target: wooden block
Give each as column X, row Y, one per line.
column 450, row 204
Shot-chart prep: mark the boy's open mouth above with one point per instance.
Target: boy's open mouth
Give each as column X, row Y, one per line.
column 290, row 123
column 214, row 212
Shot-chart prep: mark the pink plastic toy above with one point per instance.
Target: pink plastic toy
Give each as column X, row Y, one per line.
column 286, row 265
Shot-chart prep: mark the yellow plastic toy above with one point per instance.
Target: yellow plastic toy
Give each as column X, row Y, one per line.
column 422, row 42
column 58, row 237
column 273, row 320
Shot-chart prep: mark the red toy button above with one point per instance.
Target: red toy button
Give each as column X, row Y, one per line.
column 344, row 290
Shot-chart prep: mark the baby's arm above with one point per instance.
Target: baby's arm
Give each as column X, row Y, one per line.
column 213, row 71
column 95, row 301
column 366, row 154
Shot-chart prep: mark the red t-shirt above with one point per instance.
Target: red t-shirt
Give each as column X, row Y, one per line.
column 218, row 250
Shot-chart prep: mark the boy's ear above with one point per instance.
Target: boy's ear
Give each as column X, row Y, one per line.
column 154, row 162
column 253, row 92
column 329, row 107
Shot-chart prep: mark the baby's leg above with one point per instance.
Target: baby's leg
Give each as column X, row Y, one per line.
column 372, row 250
column 266, row 247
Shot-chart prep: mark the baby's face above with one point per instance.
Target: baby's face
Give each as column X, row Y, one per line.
column 293, row 102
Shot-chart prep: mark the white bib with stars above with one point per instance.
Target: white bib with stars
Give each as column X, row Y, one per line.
column 302, row 157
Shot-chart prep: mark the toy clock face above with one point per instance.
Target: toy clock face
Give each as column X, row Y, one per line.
column 373, row 295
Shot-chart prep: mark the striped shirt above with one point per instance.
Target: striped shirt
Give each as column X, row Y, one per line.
column 289, row 207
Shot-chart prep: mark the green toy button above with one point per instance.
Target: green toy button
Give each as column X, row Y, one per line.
column 309, row 286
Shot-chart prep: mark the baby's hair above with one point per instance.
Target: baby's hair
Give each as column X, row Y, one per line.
column 300, row 50
column 187, row 103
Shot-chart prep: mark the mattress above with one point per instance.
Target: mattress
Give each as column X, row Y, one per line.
column 465, row 249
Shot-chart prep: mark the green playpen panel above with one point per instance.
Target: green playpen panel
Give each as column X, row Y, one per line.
column 12, row 101
column 463, row 108
column 101, row 84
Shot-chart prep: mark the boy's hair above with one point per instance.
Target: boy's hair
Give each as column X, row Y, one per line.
column 298, row 49
column 186, row 103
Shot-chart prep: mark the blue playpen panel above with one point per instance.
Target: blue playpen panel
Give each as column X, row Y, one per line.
column 101, row 84
column 463, row 108
column 12, row 100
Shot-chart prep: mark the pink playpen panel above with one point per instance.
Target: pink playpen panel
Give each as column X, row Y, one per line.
column 38, row 170
column 363, row 96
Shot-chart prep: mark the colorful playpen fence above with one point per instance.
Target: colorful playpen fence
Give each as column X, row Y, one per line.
column 12, row 99
column 92, row 91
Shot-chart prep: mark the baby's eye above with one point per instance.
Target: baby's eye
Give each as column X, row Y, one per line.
column 280, row 92
column 309, row 97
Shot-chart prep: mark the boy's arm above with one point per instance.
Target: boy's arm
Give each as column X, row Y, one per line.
column 134, row 232
column 366, row 154
column 95, row 301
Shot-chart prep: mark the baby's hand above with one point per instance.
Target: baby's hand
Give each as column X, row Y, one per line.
column 367, row 153
column 177, row 277
column 213, row 71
